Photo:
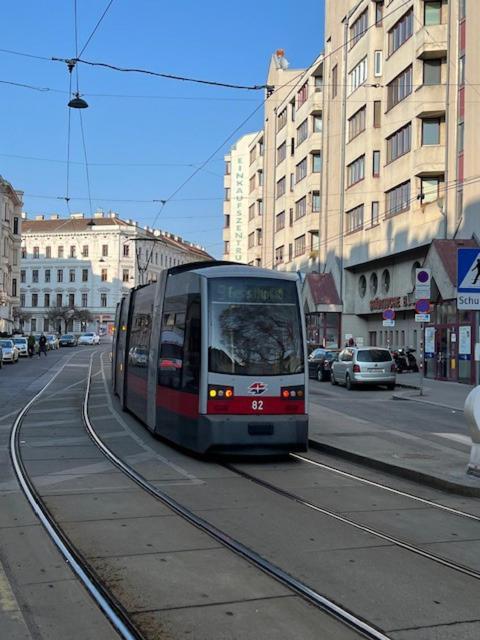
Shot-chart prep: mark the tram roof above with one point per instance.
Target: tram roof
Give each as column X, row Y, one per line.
column 223, row 269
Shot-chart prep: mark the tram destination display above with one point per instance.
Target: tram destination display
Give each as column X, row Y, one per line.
column 252, row 291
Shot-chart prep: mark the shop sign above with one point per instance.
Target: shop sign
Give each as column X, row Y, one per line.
column 429, row 342
column 465, row 343
column 379, row 304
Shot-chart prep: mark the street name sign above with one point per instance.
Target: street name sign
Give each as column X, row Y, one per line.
column 423, row 279
column 468, row 279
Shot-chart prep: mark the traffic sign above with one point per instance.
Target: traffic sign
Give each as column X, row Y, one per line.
column 389, row 314
column 422, row 283
column 468, row 278
column 389, row 323
column 422, row 317
column 422, row 306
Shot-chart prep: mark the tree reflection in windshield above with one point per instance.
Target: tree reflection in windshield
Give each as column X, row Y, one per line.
column 255, row 339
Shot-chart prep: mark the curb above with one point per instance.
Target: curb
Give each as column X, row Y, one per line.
column 398, row 396
column 396, row 470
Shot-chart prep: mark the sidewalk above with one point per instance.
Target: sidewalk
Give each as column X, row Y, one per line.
column 450, row 395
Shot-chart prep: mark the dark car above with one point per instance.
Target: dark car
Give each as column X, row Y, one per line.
column 319, row 363
column 68, row 340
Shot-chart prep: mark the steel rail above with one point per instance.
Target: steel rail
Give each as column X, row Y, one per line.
column 322, row 602
column 117, row 617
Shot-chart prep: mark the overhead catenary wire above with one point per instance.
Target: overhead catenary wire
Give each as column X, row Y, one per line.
column 95, row 28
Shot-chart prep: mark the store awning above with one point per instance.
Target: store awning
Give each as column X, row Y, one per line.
column 320, row 293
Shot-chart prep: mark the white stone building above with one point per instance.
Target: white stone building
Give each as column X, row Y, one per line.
column 10, row 230
column 82, row 263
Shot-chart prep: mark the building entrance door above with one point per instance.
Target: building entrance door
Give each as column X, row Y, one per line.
column 446, row 352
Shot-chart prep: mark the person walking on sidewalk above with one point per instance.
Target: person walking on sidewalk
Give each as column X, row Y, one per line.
column 31, row 345
column 43, row 345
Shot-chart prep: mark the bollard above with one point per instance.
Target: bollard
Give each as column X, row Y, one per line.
column 472, row 415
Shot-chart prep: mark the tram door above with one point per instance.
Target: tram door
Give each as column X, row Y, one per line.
column 121, row 340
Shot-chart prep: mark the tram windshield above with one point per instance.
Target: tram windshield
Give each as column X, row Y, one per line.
column 255, row 327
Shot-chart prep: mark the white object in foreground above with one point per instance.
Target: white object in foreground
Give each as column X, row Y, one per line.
column 472, row 415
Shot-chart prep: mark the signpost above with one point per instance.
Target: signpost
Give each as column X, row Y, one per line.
column 388, row 317
column 423, row 278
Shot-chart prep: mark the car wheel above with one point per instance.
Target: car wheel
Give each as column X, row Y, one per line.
column 320, row 374
column 332, row 378
column 348, row 382
column 390, row 387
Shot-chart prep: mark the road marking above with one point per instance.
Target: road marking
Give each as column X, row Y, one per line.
column 456, row 437
column 9, row 605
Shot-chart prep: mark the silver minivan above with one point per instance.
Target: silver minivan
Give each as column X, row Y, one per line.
column 363, row 365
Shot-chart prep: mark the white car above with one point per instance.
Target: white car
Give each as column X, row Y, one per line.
column 9, row 351
column 22, row 345
column 89, row 338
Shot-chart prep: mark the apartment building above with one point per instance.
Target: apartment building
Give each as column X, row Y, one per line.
column 243, row 200
column 10, row 233
column 86, row 264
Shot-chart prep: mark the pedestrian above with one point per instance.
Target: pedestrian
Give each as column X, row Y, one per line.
column 31, row 345
column 43, row 345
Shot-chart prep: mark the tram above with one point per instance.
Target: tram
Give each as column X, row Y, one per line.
column 212, row 357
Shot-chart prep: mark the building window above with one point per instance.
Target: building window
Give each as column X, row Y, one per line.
column 227, row 194
column 260, row 178
column 35, row 275
column 59, row 300
column 378, row 64
column 300, row 208
column 377, row 113
column 282, row 119
column 400, row 32
column 46, row 300
column 373, row 283
column 84, row 275
column 356, row 171
column 317, row 123
column 226, row 247
column 252, row 155
column 430, row 189
column 24, row 252
column 334, row 81
column 316, row 162
column 355, row 219
column 85, row 250
column 22, row 275
column 432, row 13
column 280, row 221
column 430, row 131
column 36, row 252
column 260, row 207
column 279, row 254
column 461, row 71
column 48, row 252
column 398, row 199
column 460, row 137
column 302, row 132
column 260, row 147
column 103, row 299
column 105, row 250
column 125, row 275
column 302, row 95
column 34, row 299
column 378, row 13
column 226, row 225
column 375, row 213
column 359, row 28
column 33, row 324
column 22, row 299
column 46, row 324
column 362, row 286
column 251, row 240
column 399, row 143
column 290, row 217
column 104, row 275
column 462, row 10
column 281, row 187
column 71, row 300
column 281, row 152
column 73, row 251
column 376, row 164
column 251, row 212
column 259, row 237
column 356, row 124
column 385, row 281
column 71, row 275
column 60, row 252
column 59, row 275
column 432, row 71
column 299, row 246
column 357, row 75
column 252, row 183
column 301, row 170
column 400, row 87
column 315, row 201
column 318, row 83
column 15, row 226
column 47, row 275
column 227, row 167
column 292, row 181
column 84, row 299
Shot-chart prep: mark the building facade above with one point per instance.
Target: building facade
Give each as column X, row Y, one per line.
column 10, row 234
column 69, row 266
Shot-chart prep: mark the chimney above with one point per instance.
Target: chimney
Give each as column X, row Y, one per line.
column 54, row 216
column 40, row 217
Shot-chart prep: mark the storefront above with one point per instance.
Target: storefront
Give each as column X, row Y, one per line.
column 322, row 311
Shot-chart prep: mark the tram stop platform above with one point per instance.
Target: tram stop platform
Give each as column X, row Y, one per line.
column 424, row 459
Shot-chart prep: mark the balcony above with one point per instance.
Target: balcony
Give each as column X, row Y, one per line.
column 430, row 100
column 429, row 160
column 431, row 41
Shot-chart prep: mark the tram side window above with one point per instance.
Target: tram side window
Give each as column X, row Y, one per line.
column 141, row 329
column 180, row 340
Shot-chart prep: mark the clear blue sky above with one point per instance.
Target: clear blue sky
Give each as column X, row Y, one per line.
column 183, row 124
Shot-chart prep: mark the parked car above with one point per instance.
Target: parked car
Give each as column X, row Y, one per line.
column 89, row 338
column 1, row 356
column 363, row 365
column 10, row 352
column 319, row 363
column 52, row 341
column 22, row 345
column 68, row 340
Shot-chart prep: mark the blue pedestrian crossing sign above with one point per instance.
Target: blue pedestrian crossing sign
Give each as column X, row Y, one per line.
column 468, row 279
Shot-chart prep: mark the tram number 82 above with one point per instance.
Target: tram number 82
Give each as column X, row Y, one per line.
column 257, row 405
